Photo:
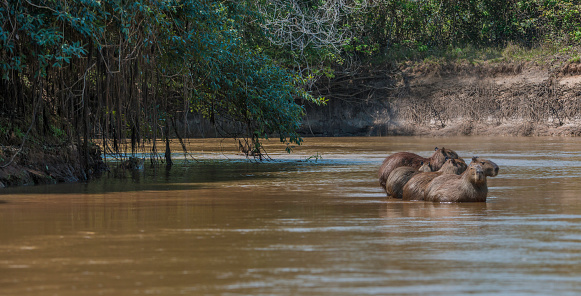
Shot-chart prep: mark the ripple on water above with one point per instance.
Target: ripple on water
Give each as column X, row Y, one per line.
column 292, row 227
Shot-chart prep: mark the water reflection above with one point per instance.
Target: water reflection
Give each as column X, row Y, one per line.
column 403, row 209
column 290, row 227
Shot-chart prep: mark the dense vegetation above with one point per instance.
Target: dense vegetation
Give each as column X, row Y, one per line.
column 125, row 71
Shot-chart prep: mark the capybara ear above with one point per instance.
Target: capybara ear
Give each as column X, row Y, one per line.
column 475, row 158
column 436, row 149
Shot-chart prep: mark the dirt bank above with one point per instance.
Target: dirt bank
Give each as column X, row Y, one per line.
column 436, row 99
column 516, row 99
column 47, row 165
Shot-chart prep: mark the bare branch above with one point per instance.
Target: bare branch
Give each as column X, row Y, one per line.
column 291, row 24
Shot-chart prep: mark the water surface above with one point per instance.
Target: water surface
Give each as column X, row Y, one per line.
column 221, row 225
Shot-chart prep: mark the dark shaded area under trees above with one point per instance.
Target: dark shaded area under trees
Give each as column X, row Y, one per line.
column 123, row 73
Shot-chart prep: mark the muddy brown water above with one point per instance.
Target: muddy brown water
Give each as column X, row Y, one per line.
column 221, row 225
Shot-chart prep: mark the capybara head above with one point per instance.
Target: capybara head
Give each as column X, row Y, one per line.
column 449, row 153
column 476, row 174
column 426, row 167
column 490, row 168
column 454, row 166
column 439, row 157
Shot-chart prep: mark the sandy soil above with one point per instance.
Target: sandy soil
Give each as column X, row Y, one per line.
column 460, row 99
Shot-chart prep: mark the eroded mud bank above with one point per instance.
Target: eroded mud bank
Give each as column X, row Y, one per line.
column 450, row 100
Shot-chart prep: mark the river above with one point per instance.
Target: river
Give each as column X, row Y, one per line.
column 218, row 224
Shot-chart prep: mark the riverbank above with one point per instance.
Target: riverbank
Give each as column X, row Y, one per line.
column 529, row 95
column 515, row 98
column 47, row 165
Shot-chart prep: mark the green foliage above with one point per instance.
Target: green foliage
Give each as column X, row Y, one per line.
column 431, row 25
column 249, row 88
column 57, row 132
column 315, row 157
column 361, row 46
column 123, row 69
column 40, row 36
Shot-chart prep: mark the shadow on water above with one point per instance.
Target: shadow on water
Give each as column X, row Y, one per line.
column 180, row 176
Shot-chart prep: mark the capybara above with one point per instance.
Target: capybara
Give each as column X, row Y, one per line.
column 415, row 188
column 453, row 166
column 469, row 187
column 413, row 160
column 426, row 167
column 400, row 176
column 490, row 170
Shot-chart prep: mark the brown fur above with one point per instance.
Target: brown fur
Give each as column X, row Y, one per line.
column 397, row 179
column 454, row 166
column 426, row 167
column 412, row 160
column 400, row 176
column 489, row 168
column 469, row 187
column 415, row 188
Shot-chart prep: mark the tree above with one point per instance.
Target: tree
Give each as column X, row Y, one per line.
column 122, row 70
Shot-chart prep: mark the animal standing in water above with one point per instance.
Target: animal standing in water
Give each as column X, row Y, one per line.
column 489, row 168
column 415, row 188
column 400, row 176
column 413, row 160
column 471, row 186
